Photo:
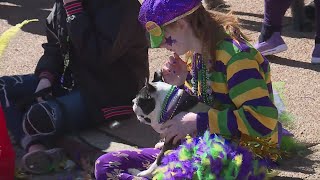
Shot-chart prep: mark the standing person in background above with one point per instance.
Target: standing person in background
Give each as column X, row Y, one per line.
column 270, row 40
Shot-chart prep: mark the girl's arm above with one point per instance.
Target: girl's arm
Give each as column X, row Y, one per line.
column 255, row 114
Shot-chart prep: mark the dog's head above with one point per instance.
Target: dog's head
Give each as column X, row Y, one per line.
column 148, row 102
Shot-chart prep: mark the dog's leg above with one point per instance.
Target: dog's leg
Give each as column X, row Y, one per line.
column 148, row 173
column 157, row 162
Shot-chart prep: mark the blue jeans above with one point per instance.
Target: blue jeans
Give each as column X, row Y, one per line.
column 74, row 114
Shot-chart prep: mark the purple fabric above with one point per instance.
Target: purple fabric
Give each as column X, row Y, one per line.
column 316, row 51
column 224, row 98
column 269, row 85
column 162, row 11
column 264, row 101
column 274, row 11
column 232, row 124
column 115, row 165
column 220, row 67
column 285, row 132
column 268, row 44
column 265, row 65
column 239, row 44
column 256, row 125
column 202, row 123
column 242, row 76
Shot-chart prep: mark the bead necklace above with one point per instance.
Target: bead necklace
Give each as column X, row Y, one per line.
column 164, row 115
column 199, row 73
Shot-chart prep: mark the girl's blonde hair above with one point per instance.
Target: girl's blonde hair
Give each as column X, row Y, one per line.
column 211, row 27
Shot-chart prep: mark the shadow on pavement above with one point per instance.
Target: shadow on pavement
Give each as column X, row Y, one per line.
column 16, row 11
column 299, row 163
column 293, row 63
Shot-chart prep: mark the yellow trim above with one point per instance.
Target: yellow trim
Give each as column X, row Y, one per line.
column 223, row 56
column 275, row 137
column 183, row 15
column 219, row 87
column 255, row 93
column 259, row 58
column 240, row 65
column 187, row 85
column 213, row 121
column 266, row 121
column 241, row 126
column 153, row 28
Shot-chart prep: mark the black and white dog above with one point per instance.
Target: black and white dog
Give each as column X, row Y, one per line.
column 158, row 102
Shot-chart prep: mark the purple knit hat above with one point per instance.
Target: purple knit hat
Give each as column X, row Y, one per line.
column 155, row 14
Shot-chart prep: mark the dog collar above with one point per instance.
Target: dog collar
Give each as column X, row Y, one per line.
column 166, row 113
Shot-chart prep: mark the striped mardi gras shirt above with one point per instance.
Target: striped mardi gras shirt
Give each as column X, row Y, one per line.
column 242, row 90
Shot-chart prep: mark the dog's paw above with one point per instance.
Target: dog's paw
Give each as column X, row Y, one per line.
column 147, row 173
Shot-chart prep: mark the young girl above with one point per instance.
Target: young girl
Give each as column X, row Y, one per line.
column 221, row 68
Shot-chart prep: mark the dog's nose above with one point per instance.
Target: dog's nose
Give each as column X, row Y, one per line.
column 133, row 101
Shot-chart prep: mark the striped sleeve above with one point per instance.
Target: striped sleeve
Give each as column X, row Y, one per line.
column 73, row 7
column 255, row 113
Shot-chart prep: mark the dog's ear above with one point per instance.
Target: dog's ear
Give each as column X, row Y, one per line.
column 150, row 88
column 157, row 77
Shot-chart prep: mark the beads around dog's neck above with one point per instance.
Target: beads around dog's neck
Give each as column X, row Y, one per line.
column 165, row 113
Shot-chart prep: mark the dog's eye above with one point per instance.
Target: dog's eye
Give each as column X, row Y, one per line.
column 148, row 96
column 146, row 105
column 147, row 120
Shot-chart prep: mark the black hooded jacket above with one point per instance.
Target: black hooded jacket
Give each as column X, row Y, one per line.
column 108, row 54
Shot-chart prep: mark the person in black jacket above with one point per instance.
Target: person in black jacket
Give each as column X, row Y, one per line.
column 94, row 63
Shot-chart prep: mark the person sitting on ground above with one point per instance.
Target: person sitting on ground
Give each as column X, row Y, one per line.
column 94, row 63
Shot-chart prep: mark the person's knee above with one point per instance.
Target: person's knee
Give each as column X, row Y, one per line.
column 42, row 119
column 102, row 166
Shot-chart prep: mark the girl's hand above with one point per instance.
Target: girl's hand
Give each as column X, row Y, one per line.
column 175, row 71
column 180, row 126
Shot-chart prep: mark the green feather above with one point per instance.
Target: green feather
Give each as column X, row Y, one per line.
column 185, row 154
column 158, row 176
column 279, row 87
column 10, row 33
column 286, row 119
column 291, row 146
